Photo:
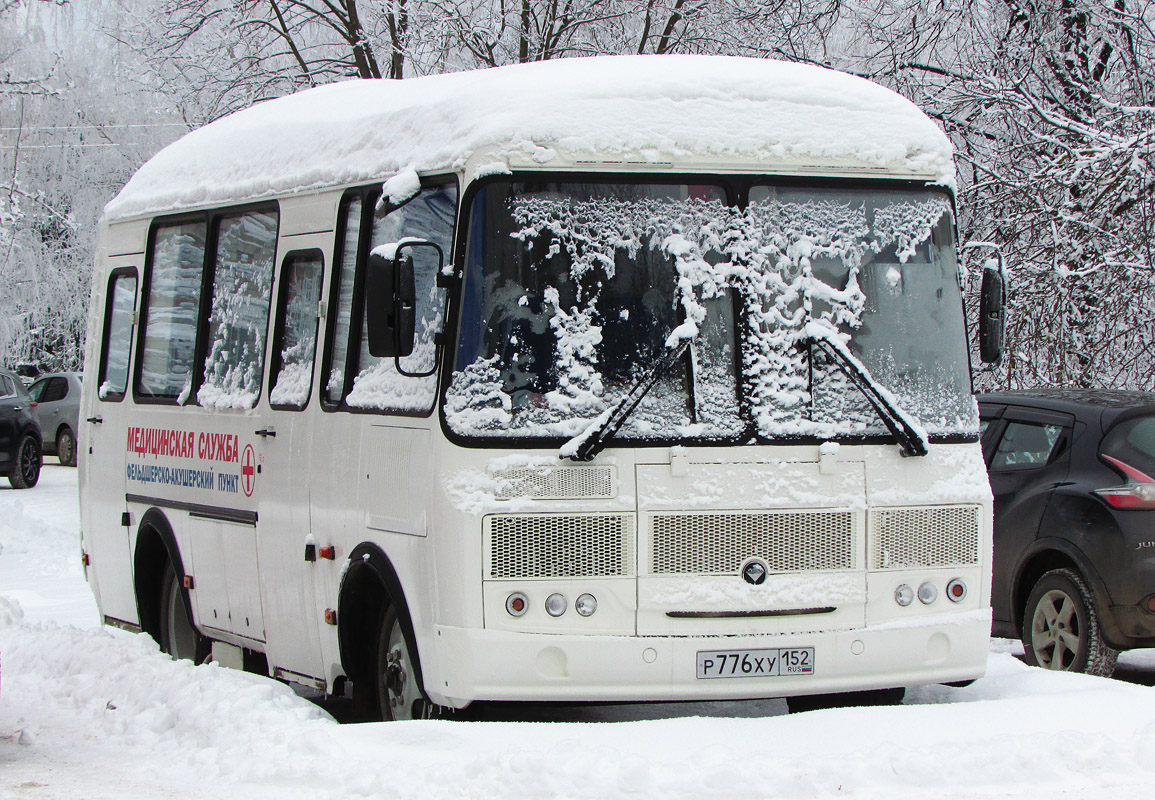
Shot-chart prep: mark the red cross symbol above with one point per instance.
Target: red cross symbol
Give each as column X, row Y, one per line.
column 248, row 471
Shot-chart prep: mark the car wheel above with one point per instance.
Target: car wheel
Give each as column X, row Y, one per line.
column 1061, row 629
column 66, row 447
column 26, row 472
column 178, row 636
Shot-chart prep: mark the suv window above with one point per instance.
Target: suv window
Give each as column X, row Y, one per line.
column 7, row 386
column 49, row 390
column 1133, row 442
column 1026, row 444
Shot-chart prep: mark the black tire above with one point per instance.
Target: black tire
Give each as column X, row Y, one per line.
column 178, row 636
column 66, row 447
column 392, row 689
column 26, row 471
column 1061, row 628
column 873, row 697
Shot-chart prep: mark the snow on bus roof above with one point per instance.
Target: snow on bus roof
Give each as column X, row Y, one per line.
column 641, row 108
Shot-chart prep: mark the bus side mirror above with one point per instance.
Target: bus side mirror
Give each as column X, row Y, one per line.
column 992, row 303
column 992, row 316
column 390, row 304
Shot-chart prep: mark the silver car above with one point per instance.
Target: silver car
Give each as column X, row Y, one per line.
column 57, row 397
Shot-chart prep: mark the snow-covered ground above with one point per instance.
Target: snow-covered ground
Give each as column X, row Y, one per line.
column 88, row 712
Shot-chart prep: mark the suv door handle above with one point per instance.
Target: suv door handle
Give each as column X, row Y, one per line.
column 266, row 432
column 95, row 420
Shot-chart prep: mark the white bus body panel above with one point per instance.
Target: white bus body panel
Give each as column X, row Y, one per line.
column 100, row 444
column 642, row 641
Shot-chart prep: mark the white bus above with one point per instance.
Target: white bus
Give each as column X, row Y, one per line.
column 607, row 379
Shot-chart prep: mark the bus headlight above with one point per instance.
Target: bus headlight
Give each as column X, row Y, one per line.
column 555, row 605
column 904, row 595
column 586, row 605
column 927, row 593
column 956, row 590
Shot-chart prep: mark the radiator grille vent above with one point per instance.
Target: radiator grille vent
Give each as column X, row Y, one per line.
column 792, row 541
column 560, row 546
column 566, row 483
column 902, row 538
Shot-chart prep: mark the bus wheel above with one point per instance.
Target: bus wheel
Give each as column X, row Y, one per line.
column 398, row 693
column 178, row 636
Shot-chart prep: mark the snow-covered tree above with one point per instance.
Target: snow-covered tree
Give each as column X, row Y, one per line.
column 72, row 132
column 1049, row 104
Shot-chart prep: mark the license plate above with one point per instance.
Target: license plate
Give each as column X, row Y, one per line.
column 774, row 662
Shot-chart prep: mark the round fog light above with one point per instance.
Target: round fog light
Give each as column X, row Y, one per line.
column 555, row 605
column 904, row 595
column 586, row 605
column 956, row 590
column 516, row 604
column 927, row 593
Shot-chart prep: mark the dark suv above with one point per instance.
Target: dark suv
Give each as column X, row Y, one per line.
column 1074, row 563
column 19, row 433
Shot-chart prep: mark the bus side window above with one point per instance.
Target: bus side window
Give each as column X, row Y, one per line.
column 379, row 386
column 295, row 342
column 239, row 310
column 169, row 330
column 121, row 301
column 341, row 304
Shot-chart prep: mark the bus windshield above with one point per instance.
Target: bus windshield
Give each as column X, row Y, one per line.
column 573, row 291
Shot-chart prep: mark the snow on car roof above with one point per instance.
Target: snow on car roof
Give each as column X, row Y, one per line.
column 682, row 109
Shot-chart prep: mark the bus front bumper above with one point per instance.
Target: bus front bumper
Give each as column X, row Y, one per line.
column 476, row 664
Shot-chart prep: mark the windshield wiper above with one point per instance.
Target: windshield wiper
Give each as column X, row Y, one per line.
column 905, row 428
column 594, row 438
column 911, row 438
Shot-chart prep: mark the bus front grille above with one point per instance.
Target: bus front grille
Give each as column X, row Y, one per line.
column 904, row 538
column 559, row 545
column 721, row 542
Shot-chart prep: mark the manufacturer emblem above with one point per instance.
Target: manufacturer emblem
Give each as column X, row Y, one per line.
column 754, row 572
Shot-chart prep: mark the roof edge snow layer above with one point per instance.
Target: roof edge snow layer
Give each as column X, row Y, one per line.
column 708, row 111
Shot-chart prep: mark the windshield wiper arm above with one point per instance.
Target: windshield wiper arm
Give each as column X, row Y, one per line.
column 594, row 438
column 904, row 428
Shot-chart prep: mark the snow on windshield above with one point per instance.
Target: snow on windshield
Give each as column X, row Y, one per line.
column 549, row 360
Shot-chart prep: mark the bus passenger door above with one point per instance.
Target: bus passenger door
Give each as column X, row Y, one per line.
column 104, row 420
column 286, row 548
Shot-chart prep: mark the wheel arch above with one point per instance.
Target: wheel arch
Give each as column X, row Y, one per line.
column 155, row 544
column 1048, row 554
column 61, row 428
column 35, row 432
column 369, row 581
